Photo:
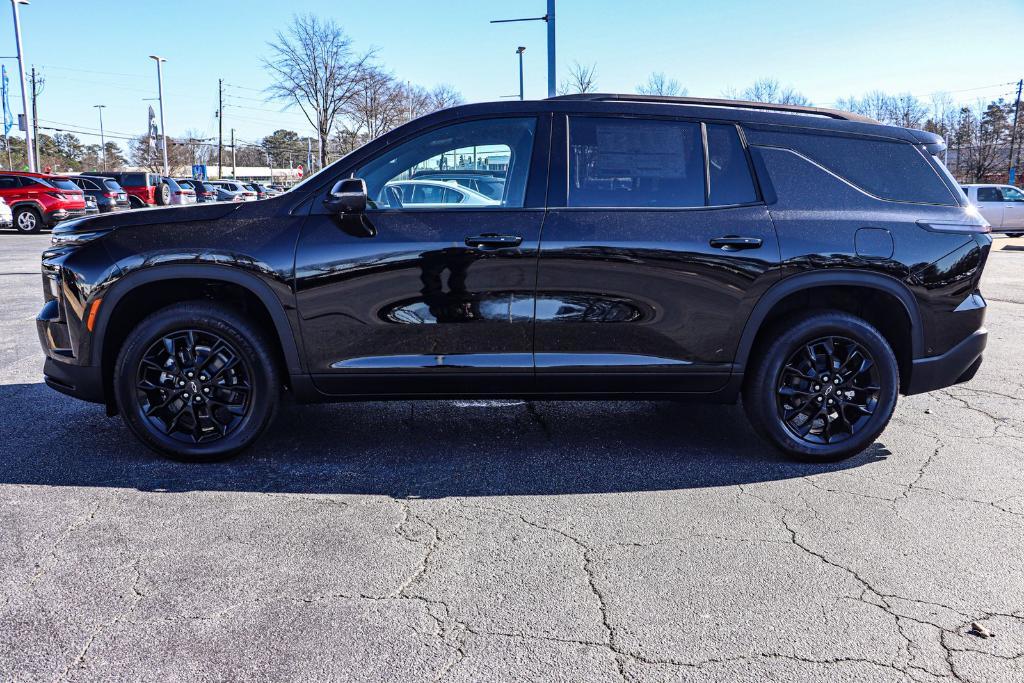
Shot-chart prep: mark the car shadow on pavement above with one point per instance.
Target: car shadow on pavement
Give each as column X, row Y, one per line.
column 408, row 449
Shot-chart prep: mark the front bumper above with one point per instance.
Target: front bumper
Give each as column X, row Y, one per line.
column 957, row 365
column 59, row 371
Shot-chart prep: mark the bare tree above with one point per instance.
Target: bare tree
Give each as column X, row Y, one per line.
column 659, row 84
column 897, row 110
column 770, row 90
column 377, row 106
column 581, row 79
column 316, row 68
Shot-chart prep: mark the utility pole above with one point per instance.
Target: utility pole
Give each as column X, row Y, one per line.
column 1012, row 172
column 160, row 93
column 220, row 126
column 549, row 18
column 232, row 153
column 103, row 141
column 35, row 119
column 29, row 156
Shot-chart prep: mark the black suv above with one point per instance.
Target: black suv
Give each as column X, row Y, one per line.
column 813, row 261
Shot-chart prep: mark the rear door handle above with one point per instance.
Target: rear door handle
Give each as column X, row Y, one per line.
column 493, row 241
column 734, row 243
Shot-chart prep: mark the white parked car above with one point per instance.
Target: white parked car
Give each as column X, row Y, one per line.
column 180, row 194
column 6, row 217
column 1000, row 205
column 429, row 193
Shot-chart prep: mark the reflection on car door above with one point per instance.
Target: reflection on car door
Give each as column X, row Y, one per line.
column 650, row 257
column 407, row 299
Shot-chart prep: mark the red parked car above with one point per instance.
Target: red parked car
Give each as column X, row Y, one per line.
column 37, row 201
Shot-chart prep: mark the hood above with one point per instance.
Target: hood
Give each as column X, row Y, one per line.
column 157, row 216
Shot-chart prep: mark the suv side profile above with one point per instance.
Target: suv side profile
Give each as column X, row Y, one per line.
column 813, row 262
column 37, row 203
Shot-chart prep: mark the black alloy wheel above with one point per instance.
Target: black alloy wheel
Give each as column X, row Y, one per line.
column 197, row 381
column 821, row 386
column 193, row 386
column 828, row 390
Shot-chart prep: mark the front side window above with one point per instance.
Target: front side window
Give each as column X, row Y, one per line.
column 1012, row 194
column 617, row 162
column 502, row 147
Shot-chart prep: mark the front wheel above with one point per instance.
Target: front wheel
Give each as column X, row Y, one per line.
column 196, row 382
column 823, row 388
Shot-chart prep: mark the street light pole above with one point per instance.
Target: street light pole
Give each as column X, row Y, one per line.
column 160, row 95
column 24, row 89
column 520, row 50
column 103, row 140
column 549, row 18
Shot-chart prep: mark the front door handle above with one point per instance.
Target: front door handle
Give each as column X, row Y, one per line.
column 493, row 241
column 734, row 243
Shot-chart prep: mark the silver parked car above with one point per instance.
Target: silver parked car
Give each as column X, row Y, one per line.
column 233, row 191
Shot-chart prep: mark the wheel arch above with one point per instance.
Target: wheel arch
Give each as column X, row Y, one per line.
column 198, row 276
column 807, row 283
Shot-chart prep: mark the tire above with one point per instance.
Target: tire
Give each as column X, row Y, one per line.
column 1015, row 234
column 788, row 377
column 163, row 194
column 219, row 410
column 27, row 220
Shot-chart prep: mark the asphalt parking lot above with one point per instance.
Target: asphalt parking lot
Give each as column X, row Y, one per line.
column 472, row 541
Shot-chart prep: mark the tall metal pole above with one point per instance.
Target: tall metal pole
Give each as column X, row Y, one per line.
column 1013, row 133
column 233, row 176
column 160, row 95
column 35, row 118
column 103, row 141
column 551, row 48
column 220, row 127
column 24, row 90
column 520, row 50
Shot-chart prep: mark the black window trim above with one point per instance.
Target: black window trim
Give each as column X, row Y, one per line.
column 707, row 171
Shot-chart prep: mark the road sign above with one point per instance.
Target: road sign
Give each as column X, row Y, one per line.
column 298, row 169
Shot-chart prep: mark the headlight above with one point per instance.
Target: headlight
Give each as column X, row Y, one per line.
column 69, row 239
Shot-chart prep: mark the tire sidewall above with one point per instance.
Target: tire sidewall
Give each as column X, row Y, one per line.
column 255, row 356
column 163, row 194
column 764, row 385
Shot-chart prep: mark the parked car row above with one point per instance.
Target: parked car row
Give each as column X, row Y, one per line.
column 32, row 201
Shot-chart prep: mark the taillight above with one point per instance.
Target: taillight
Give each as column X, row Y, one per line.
column 110, row 195
column 55, row 195
column 178, row 193
column 972, row 222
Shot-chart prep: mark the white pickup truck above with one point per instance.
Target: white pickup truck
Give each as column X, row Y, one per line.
column 1001, row 205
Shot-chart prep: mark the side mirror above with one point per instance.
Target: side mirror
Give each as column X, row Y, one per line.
column 347, row 196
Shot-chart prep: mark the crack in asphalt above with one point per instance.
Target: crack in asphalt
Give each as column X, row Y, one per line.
column 68, row 673
column 63, row 536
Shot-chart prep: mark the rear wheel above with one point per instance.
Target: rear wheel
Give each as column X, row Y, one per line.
column 27, row 220
column 1015, row 234
column 824, row 388
column 196, row 382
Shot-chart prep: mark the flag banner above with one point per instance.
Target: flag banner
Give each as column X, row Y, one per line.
column 5, row 94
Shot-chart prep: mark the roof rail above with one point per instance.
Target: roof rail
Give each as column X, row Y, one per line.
column 712, row 102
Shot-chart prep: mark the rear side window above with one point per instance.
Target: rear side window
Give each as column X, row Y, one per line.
column 989, row 194
column 728, row 171
column 892, row 170
column 635, row 163
column 8, row 183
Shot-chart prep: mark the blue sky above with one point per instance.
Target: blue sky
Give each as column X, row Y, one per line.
column 97, row 52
